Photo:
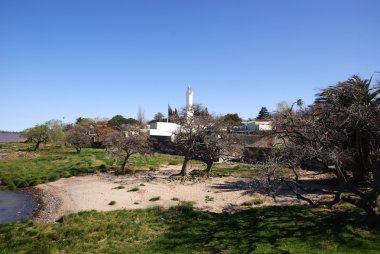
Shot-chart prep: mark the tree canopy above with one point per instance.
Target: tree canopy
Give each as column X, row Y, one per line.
column 118, row 121
column 339, row 134
column 263, row 114
column 232, row 119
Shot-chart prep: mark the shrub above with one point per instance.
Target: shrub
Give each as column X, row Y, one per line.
column 255, row 201
column 154, row 199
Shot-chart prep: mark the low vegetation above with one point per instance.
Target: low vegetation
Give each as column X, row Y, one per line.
column 134, row 189
column 254, row 201
column 182, row 230
column 46, row 165
column 21, row 167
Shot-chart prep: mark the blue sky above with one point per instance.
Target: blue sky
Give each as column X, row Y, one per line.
column 86, row 58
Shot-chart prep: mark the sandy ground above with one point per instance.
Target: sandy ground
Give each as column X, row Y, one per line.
column 95, row 192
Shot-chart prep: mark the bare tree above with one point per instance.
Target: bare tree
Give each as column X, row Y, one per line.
column 206, row 138
column 339, row 134
column 187, row 137
column 78, row 137
column 217, row 143
column 126, row 142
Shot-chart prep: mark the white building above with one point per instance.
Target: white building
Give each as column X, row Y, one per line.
column 252, row 126
column 163, row 129
column 166, row 129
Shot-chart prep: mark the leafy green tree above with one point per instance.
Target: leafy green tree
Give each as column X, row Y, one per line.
column 84, row 121
column 38, row 134
column 118, row 121
column 78, row 137
column 55, row 133
column 232, row 119
column 263, row 114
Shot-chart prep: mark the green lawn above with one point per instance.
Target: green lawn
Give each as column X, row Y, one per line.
column 48, row 165
column 23, row 167
column 181, row 230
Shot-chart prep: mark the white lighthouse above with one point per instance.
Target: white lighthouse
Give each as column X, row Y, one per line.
column 189, row 103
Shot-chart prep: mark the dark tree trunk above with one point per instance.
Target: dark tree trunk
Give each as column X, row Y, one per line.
column 37, row 146
column 124, row 163
column 209, row 166
column 184, row 166
column 78, row 149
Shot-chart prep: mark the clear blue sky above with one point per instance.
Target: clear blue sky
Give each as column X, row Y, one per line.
column 86, row 58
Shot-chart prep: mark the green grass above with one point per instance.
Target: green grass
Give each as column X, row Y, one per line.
column 238, row 170
column 255, row 201
column 47, row 165
column 134, row 189
column 154, row 160
column 182, row 230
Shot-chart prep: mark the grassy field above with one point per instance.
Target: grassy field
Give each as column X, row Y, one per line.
column 22, row 168
column 181, row 230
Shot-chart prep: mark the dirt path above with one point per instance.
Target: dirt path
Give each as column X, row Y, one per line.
column 95, row 192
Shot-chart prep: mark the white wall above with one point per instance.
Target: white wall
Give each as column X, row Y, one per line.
column 163, row 129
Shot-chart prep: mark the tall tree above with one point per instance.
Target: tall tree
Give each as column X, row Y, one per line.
column 78, row 137
column 339, row 134
column 126, row 142
column 118, row 121
column 141, row 116
column 187, row 137
column 232, row 119
column 55, row 132
column 158, row 117
column 38, row 134
column 217, row 143
column 263, row 114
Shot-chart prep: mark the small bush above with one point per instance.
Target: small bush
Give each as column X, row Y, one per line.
column 103, row 168
column 255, row 201
column 154, row 199
column 209, row 199
column 112, row 203
column 175, row 199
column 134, row 189
column 119, row 187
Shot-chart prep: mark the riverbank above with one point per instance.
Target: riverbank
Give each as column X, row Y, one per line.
column 106, row 192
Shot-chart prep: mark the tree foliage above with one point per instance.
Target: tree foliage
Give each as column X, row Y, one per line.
column 84, row 121
column 232, row 119
column 118, row 121
column 338, row 134
column 38, row 134
column 263, row 114
column 205, row 138
column 78, row 137
column 126, row 142
column 158, row 117
column 56, row 136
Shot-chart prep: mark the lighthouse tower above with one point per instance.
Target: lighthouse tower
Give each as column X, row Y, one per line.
column 189, row 103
